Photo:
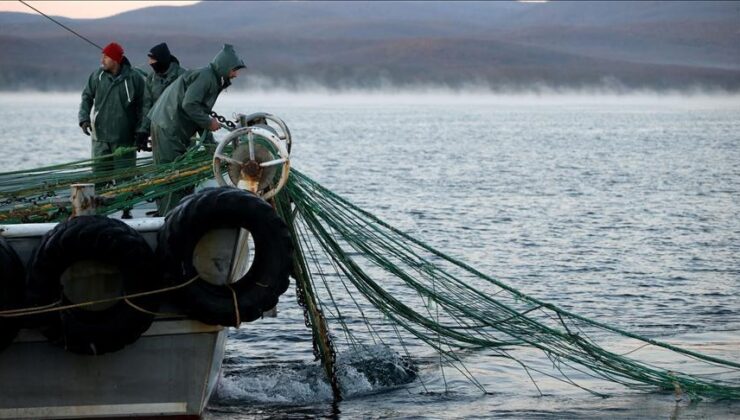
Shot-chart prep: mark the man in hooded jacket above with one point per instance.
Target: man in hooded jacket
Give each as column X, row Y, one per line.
column 166, row 70
column 115, row 93
column 184, row 109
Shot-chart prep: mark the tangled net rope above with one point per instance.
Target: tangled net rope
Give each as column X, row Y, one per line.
column 42, row 194
column 450, row 306
column 369, row 279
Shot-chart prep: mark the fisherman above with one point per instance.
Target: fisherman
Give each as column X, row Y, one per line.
column 184, row 109
column 166, row 69
column 115, row 92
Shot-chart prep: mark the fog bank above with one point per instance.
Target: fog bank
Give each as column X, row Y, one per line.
column 252, row 99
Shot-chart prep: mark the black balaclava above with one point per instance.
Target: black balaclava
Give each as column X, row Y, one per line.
column 161, row 53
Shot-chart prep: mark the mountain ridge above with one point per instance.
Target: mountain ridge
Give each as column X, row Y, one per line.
column 651, row 45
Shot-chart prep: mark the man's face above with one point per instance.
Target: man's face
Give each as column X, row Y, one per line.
column 151, row 61
column 234, row 73
column 107, row 63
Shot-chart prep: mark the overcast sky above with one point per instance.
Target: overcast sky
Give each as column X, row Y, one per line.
column 84, row 9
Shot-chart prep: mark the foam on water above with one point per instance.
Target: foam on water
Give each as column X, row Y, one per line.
column 279, row 385
column 364, row 370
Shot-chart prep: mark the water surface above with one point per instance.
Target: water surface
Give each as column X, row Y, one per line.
column 622, row 209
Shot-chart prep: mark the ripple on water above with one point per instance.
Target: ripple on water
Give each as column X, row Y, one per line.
column 626, row 214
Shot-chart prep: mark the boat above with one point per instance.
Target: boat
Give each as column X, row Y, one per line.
column 110, row 326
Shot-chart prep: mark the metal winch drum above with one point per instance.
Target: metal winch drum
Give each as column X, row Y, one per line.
column 255, row 155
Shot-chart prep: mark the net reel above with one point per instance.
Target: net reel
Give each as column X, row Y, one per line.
column 255, row 155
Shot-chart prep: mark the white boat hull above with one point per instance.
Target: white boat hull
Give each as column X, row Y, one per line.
column 170, row 371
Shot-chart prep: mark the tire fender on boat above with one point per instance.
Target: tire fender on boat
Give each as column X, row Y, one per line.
column 253, row 293
column 11, row 291
column 93, row 258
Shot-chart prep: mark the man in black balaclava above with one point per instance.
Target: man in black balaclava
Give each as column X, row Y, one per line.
column 166, row 69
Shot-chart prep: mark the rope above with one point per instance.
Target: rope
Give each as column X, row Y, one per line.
column 47, row 309
column 12, row 311
column 62, row 25
column 146, row 311
column 475, row 310
column 395, row 283
column 42, row 194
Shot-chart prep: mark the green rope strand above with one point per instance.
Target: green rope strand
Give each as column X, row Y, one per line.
column 398, row 288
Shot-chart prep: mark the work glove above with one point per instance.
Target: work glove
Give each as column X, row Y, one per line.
column 142, row 142
column 85, row 126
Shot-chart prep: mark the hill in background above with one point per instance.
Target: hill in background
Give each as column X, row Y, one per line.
column 497, row 45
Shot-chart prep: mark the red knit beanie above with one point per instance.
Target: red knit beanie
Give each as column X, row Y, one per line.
column 114, row 51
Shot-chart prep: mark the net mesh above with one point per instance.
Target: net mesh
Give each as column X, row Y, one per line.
column 366, row 282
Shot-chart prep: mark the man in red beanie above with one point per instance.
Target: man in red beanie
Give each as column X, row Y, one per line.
column 114, row 94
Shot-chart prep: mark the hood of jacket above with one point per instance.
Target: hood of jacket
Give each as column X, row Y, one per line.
column 225, row 61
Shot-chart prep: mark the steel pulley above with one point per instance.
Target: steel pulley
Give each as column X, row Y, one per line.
column 255, row 155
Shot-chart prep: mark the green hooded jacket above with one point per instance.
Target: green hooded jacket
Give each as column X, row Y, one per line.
column 184, row 107
column 154, row 86
column 117, row 103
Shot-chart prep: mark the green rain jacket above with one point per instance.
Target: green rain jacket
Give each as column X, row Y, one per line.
column 117, row 102
column 184, row 107
column 154, row 86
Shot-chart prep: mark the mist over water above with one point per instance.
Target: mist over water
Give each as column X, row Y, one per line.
column 622, row 208
column 312, row 94
column 40, row 122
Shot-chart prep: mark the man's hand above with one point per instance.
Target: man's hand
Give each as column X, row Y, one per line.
column 142, row 142
column 85, row 126
column 215, row 125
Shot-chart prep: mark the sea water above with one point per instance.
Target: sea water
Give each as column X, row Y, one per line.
column 624, row 209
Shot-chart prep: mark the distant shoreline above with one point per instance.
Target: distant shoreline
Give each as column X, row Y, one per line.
column 432, row 97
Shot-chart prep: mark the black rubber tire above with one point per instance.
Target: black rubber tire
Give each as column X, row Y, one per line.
column 225, row 207
column 12, row 287
column 102, row 239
